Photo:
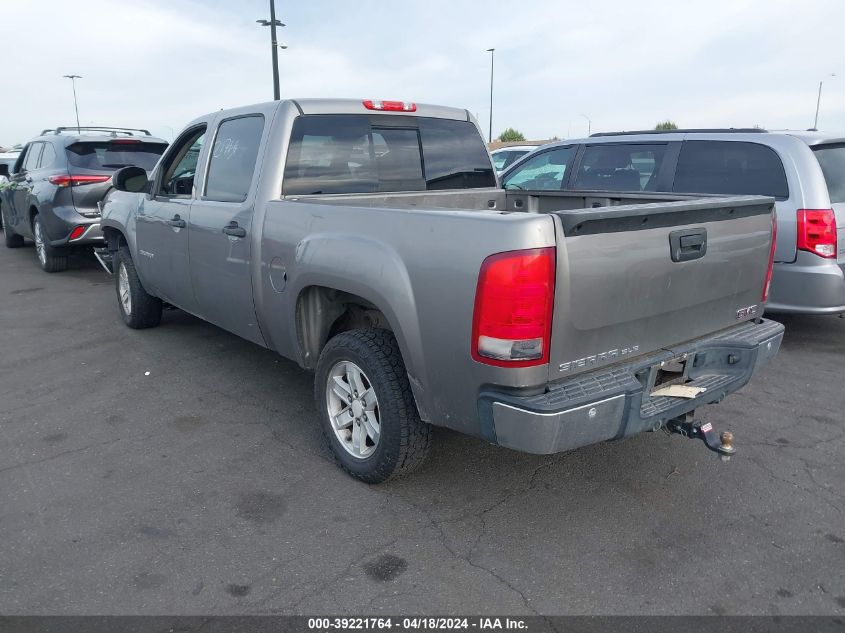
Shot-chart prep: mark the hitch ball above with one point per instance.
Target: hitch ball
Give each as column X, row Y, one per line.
column 727, row 439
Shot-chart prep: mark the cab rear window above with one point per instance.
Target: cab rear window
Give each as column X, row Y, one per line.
column 832, row 160
column 112, row 155
column 377, row 153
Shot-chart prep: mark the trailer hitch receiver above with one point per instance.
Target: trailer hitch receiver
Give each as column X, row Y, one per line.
column 720, row 443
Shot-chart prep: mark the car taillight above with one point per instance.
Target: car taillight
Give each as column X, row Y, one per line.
column 76, row 233
column 390, row 106
column 768, row 281
column 65, row 180
column 512, row 322
column 817, row 232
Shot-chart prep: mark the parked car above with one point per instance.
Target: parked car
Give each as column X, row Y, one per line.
column 58, row 181
column 368, row 241
column 504, row 157
column 803, row 171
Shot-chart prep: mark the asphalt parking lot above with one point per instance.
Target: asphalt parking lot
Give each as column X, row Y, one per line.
column 181, row 470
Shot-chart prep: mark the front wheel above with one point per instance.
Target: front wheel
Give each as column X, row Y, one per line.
column 51, row 260
column 368, row 413
column 138, row 308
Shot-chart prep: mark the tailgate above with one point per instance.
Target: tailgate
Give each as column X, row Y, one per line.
column 636, row 279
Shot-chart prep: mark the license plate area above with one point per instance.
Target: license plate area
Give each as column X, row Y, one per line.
column 674, row 371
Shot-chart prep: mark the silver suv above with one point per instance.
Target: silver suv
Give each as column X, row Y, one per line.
column 803, row 171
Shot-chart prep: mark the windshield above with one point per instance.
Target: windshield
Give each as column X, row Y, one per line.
column 507, row 158
column 110, row 155
column 369, row 153
column 832, row 161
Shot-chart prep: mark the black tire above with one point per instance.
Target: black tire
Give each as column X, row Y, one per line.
column 51, row 259
column 143, row 310
column 12, row 239
column 404, row 439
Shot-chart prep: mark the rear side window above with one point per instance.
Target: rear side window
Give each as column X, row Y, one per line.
column 730, row 167
column 832, row 160
column 626, row 167
column 233, row 158
column 544, row 171
column 112, row 155
column 33, row 153
column 48, row 156
column 370, row 153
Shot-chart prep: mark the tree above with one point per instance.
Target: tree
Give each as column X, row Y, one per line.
column 511, row 135
column 666, row 125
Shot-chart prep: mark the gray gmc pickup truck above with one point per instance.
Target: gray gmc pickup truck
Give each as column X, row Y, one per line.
column 369, row 241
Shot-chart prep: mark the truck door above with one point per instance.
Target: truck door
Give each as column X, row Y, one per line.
column 220, row 231
column 162, row 223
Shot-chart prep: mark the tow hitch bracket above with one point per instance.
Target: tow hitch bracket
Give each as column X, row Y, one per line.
column 720, row 443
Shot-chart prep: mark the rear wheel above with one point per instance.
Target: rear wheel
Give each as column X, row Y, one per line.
column 138, row 308
column 368, row 413
column 12, row 239
column 51, row 260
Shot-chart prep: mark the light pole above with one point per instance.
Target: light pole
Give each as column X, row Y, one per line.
column 492, row 52
column 73, row 79
column 273, row 23
column 819, row 101
column 589, row 124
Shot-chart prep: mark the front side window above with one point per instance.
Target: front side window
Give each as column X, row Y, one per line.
column 624, row 167
column 730, row 167
column 831, row 157
column 233, row 158
column 332, row 154
column 545, row 171
column 180, row 166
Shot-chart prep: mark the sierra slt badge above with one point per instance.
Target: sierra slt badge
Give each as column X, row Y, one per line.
column 603, row 357
column 743, row 313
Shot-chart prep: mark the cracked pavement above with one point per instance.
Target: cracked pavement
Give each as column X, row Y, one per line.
column 204, row 487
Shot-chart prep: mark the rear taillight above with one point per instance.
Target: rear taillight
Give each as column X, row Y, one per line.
column 817, row 232
column 512, row 323
column 65, row 180
column 76, row 233
column 390, row 106
column 768, row 281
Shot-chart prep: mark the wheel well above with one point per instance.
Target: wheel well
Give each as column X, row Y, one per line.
column 114, row 238
column 322, row 313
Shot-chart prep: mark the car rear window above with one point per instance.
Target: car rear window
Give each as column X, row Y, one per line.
column 832, row 160
column 730, row 167
column 624, row 167
column 370, row 153
column 112, row 155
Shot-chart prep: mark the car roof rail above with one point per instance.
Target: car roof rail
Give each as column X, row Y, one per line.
column 110, row 131
column 726, row 130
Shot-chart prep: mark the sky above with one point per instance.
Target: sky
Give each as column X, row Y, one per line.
column 561, row 66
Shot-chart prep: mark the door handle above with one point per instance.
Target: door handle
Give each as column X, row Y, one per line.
column 177, row 222
column 688, row 244
column 234, row 230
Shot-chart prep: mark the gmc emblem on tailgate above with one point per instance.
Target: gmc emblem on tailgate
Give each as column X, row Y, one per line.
column 743, row 313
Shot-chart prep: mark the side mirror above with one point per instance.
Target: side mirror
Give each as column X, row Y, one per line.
column 4, row 170
column 132, row 179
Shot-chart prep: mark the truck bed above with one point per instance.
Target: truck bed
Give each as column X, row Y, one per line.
column 619, row 294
